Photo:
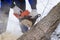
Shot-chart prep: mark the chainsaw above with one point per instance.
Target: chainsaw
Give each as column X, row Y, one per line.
column 26, row 20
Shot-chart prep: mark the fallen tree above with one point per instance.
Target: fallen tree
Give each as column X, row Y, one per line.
column 43, row 29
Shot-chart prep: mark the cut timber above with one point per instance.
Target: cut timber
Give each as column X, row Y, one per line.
column 43, row 29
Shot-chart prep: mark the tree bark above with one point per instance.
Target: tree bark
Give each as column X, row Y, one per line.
column 43, row 29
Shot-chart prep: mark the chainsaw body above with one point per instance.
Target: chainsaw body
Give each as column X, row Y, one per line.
column 26, row 20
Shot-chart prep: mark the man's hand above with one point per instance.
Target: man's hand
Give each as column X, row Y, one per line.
column 16, row 10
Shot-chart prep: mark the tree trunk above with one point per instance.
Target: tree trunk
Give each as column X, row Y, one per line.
column 43, row 29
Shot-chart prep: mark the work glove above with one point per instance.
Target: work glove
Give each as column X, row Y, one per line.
column 33, row 13
column 16, row 10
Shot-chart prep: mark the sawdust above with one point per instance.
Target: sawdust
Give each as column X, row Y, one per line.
column 8, row 36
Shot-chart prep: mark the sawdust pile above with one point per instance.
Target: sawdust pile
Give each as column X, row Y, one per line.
column 8, row 36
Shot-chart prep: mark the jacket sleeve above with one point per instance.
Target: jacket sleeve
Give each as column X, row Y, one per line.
column 12, row 4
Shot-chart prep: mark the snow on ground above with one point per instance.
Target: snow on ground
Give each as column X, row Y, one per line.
column 43, row 8
column 56, row 35
column 13, row 25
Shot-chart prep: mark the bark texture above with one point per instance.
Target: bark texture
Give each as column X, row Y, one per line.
column 43, row 29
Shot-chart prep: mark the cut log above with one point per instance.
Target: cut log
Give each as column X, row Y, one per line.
column 43, row 29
